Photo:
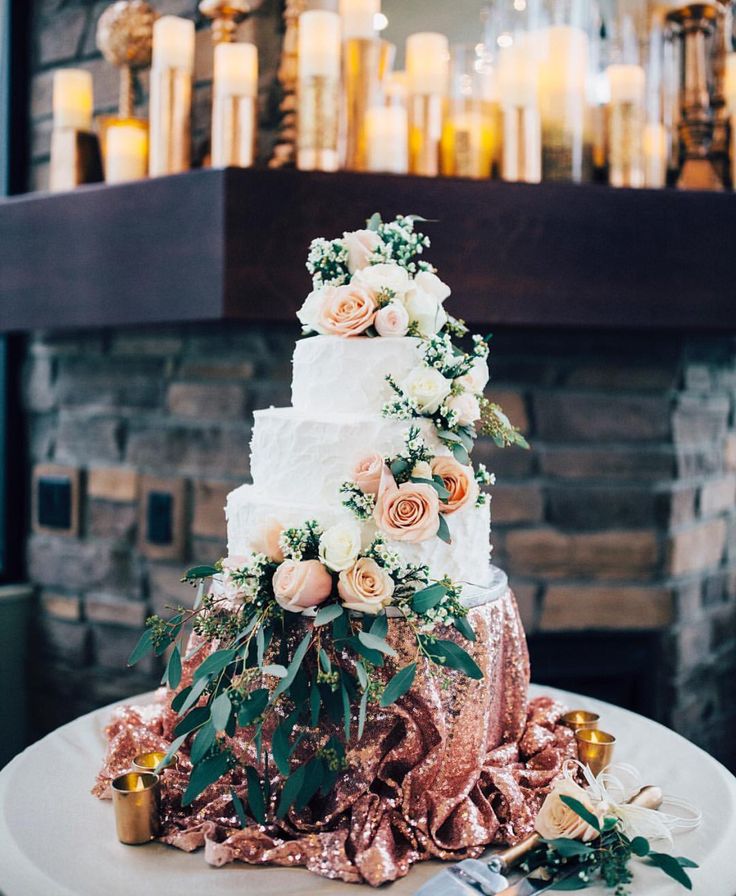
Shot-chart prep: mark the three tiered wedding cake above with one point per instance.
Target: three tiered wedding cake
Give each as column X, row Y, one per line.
column 353, row 697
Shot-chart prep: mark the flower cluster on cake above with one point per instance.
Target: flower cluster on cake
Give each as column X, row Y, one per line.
column 349, row 690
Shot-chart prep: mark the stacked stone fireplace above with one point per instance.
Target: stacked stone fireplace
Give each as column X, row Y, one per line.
column 618, row 528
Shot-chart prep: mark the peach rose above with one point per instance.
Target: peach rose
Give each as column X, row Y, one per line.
column 467, row 407
column 459, row 482
column 409, row 512
column 367, row 474
column 347, row 311
column 556, row 819
column 300, row 584
column 267, row 540
column 365, row 587
column 361, row 244
column 392, row 320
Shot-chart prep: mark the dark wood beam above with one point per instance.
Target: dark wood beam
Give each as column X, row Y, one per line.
column 212, row 245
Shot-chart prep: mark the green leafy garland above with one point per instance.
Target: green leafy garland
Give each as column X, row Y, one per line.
column 575, row 865
column 257, row 678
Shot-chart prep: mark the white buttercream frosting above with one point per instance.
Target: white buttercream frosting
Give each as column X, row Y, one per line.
column 466, row 559
column 337, row 375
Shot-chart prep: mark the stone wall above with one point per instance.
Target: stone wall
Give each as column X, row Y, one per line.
column 622, row 518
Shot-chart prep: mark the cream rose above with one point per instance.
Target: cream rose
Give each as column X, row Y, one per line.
column 555, row 819
column 459, row 482
column 476, row 379
column 467, row 407
column 309, row 313
column 427, row 387
column 409, row 512
column 392, row 320
column 361, row 244
column 365, row 587
column 340, row 545
column 367, row 474
column 267, row 540
column 422, row 470
column 380, row 277
column 347, row 311
column 431, row 283
column 300, row 584
column 425, row 311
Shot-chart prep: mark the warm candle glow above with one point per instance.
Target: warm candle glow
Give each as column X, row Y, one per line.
column 517, row 77
column 173, row 43
column 72, row 101
column 359, row 18
column 236, row 70
column 319, row 44
column 655, row 155
column 563, row 53
column 729, row 83
column 126, row 152
column 626, row 83
column 387, row 137
column 427, row 58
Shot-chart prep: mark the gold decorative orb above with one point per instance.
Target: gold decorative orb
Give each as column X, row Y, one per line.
column 125, row 33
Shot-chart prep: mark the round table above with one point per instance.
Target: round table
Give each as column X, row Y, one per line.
column 58, row 840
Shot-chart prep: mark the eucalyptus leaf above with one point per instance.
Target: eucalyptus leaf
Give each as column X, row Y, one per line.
column 579, row 809
column 252, row 707
column 215, row 663
column 670, row 866
column 399, row 467
column 345, row 708
column 460, row 454
column 205, row 774
column 464, row 627
column 362, row 710
column 256, row 803
column 456, row 658
column 686, row 863
column 260, row 645
column 374, row 643
column 178, row 700
column 280, row 746
column 195, row 692
column 200, row 572
column 143, row 647
column 296, row 661
column 442, row 492
column 443, row 530
column 291, row 790
column 568, row 884
column 324, row 661
column 239, row 808
column 427, row 598
column 313, row 777
column 399, row 684
column 202, row 743
column 569, row 848
column 380, row 626
column 327, row 614
column 373, row 656
column 362, row 674
column 220, row 711
column 314, row 704
column 640, row 846
column 274, row 669
column 173, row 669
column 195, row 719
column 174, row 748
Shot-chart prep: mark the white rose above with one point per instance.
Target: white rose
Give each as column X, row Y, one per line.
column 392, row 320
column 379, row 277
column 431, row 283
column 556, row 819
column 425, row 311
column 476, row 379
column 340, row 545
column 427, row 387
column 309, row 313
column 422, row 470
column 467, row 407
column 361, row 244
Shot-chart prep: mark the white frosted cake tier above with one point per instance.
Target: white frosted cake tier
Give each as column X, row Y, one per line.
column 304, row 458
column 339, row 375
column 466, row 559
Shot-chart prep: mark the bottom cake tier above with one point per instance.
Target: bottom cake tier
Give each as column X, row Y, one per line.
column 454, row 765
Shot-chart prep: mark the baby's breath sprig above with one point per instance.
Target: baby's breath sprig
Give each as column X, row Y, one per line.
column 301, row 542
column 327, row 262
column 356, row 501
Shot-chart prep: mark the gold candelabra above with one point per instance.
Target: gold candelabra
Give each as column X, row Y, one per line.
column 226, row 15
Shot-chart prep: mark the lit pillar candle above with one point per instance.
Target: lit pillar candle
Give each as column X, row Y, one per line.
column 126, row 152
column 656, row 144
column 626, row 125
column 72, row 102
column 171, row 95
column 234, row 105
column 521, row 157
column 566, row 147
column 387, row 139
column 358, row 18
column 427, row 58
column 318, row 90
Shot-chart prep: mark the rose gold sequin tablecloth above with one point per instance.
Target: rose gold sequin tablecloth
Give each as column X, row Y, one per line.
column 442, row 773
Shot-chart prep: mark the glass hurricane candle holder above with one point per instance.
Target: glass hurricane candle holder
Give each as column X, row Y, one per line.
column 125, row 150
column 234, row 106
column 427, row 57
column 318, row 123
column 626, row 126
column 521, row 153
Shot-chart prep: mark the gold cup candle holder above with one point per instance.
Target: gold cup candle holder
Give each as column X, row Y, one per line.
column 425, row 134
column 148, row 762
column 234, row 107
column 581, row 719
column 365, row 62
column 595, row 748
column 135, row 799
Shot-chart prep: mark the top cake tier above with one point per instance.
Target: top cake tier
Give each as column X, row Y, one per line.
column 348, row 376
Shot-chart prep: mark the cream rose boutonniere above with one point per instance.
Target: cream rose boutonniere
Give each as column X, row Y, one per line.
column 556, row 819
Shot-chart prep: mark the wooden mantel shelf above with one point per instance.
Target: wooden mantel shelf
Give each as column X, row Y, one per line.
column 231, row 245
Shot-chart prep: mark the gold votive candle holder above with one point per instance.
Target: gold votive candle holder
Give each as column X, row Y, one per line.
column 148, row 762
column 581, row 719
column 135, row 798
column 595, row 748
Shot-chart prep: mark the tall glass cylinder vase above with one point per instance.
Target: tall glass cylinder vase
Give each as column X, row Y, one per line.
column 656, row 138
column 564, row 45
column 427, row 58
column 469, row 134
column 318, row 92
column 521, row 158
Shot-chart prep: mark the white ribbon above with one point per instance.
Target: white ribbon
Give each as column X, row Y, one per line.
column 620, row 782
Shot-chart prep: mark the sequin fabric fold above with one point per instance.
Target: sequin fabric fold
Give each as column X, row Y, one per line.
column 454, row 766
